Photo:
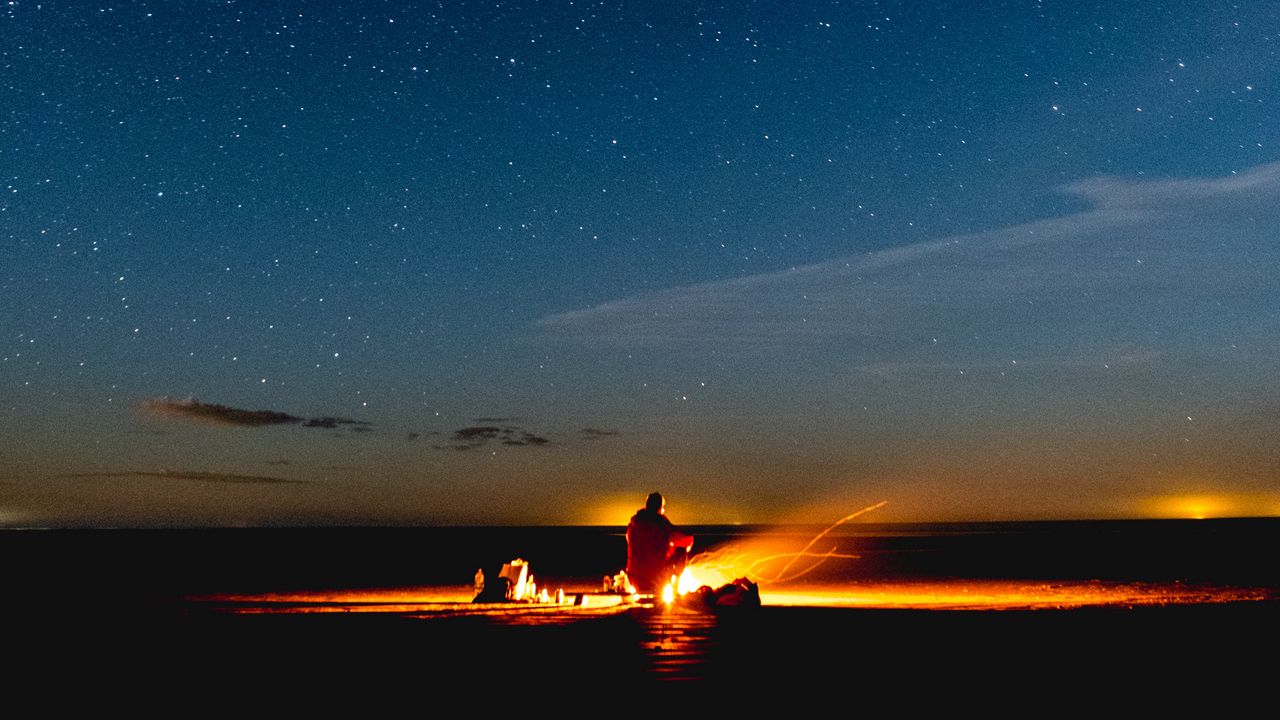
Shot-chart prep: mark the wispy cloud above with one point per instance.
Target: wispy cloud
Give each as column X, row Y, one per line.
column 488, row 430
column 1148, row 260
column 475, row 436
column 192, row 410
column 332, row 422
column 596, row 433
column 200, row 476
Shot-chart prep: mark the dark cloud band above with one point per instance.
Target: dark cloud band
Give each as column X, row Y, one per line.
column 200, row 476
column 192, row 410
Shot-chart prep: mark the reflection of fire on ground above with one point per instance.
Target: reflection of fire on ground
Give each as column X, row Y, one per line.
column 960, row 594
column 946, row 595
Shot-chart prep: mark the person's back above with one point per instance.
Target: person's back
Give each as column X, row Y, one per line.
column 652, row 543
column 647, row 546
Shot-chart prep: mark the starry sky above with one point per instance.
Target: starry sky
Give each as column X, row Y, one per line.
column 524, row 262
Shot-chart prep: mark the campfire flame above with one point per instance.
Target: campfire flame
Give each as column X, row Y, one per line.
column 723, row 565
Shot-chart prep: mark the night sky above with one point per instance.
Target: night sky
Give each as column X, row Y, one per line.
column 405, row 263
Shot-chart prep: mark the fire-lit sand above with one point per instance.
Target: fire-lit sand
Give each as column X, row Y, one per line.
column 782, row 572
column 904, row 595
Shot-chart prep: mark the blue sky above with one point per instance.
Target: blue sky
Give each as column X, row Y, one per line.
column 527, row 262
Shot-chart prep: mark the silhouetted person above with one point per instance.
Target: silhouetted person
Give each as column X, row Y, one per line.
column 656, row 550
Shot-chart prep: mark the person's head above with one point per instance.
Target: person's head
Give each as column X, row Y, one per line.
column 655, row 502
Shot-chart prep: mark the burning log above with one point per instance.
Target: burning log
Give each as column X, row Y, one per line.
column 704, row 584
column 740, row 593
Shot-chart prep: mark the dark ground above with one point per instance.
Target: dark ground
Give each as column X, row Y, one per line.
column 102, row 617
column 1150, row 656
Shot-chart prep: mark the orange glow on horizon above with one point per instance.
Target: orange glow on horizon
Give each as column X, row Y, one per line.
column 1203, row 506
column 616, row 511
column 610, row 512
